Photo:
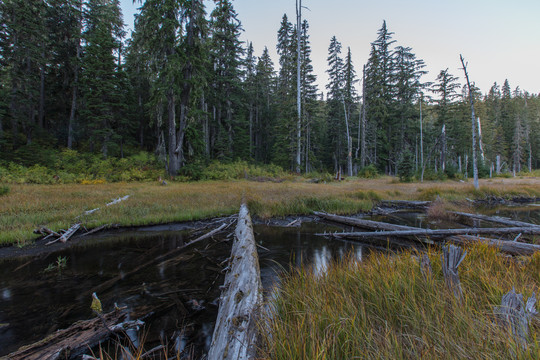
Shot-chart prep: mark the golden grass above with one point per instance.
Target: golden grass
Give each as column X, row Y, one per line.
column 26, row 207
column 352, row 312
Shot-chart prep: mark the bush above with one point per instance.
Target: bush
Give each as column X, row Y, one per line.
column 368, row 172
column 4, row 190
column 405, row 166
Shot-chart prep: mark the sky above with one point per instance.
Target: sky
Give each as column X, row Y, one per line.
column 500, row 39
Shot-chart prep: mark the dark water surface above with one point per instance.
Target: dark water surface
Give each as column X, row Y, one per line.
column 37, row 297
column 35, row 302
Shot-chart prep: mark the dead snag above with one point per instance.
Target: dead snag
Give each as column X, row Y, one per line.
column 515, row 316
column 451, row 257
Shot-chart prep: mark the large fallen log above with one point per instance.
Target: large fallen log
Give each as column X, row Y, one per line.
column 76, row 339
column 495, row 219
column 68, row 234
column 235, row 333
column 509, row 247
column 441, row 232
column 115, row 201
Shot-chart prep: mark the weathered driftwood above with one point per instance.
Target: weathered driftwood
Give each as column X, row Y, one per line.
column 451, row 257
column 495, row 219
column 235, row 333
column 441, row 232
column 115, row 201
column 406, row 204
column 76, row 339
column 509, row 247
column 362, row 223
column 156, row 261
column 65, row 236
column 516, row 316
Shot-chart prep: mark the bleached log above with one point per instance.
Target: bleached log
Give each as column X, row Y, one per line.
column 235, row 333
column 495, row 219
column 65, row 236
column 509, row 247
column 441, row 232
column 115, row 201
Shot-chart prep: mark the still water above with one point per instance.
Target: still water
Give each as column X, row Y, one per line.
column 177, row 297
column 41, row 295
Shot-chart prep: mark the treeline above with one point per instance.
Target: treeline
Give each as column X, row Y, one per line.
column 185, row 87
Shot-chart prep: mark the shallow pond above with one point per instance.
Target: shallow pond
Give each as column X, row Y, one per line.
column 178, row 296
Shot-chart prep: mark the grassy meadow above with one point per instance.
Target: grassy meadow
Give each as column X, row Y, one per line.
column 24, row 207
column 352, row 312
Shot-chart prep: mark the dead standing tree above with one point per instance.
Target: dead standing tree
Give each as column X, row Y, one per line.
column 473, row 117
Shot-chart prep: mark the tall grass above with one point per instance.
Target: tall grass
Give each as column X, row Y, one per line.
column 384, row 308
column 28, row 206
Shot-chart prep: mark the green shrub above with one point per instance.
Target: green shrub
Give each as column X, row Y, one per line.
column 4, row 190
column 405, row 168
column 368, row 172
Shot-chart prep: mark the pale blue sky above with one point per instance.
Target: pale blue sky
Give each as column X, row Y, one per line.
column 499, row 38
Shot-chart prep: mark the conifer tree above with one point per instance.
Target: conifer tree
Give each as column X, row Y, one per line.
column 101, row 74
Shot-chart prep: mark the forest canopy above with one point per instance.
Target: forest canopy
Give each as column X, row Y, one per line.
column 186, row 89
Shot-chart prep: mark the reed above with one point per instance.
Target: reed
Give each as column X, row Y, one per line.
column 384, row 308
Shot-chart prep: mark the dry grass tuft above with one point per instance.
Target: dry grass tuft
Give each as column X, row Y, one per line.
column 384, row 308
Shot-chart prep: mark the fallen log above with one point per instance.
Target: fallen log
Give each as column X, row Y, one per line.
column 65, row 236
column 235, row 333
column 362, row 223
column 406, row 204
column 495, row 219
column 510, row 247
column 76, row 339
column 440, row 232
column 115, row 201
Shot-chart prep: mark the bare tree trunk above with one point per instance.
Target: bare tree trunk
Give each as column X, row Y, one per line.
column 298, row 85
column 206, row 128
column 473, row 117
column 171, row 109
column 41, row 111
column 251, row 131
column 75, row 90
column 363, row 142
column 349, row 140
column 498, row 166
column 443, row 152
column 421, row 141
column 480, row 140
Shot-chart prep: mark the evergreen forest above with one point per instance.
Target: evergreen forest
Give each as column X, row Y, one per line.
column 187, row 92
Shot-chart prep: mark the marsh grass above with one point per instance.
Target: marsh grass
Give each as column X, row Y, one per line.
column 384, row 308
column 27, row 207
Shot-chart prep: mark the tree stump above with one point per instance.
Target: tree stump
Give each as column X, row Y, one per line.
column 451, row 258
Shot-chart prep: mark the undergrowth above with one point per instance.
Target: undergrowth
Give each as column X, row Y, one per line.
column 384, row 308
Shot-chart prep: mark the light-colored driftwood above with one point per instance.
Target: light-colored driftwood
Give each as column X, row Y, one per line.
column 235, row 333
column 76, row 339
column 514, row 315
column 509, row 247
column 451, row 257
column 496, row 219
column 441, row 232
column 115, row 201
column 65, row 236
